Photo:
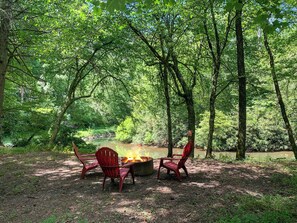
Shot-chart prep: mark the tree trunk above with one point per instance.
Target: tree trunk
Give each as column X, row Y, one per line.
column 164, row 77
column 4, row 32
column 173, row 68
column 164, row 73
column 212, row 110
column 191, row 119
column 241, row 142
column 2, row 86
column 188, row 97
column 279, row 97
column 58, row 121
column 216, row 51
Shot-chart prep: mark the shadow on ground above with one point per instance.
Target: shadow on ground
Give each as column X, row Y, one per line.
column 46, row 187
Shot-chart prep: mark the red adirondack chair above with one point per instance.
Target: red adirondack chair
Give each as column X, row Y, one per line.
column 109, row 163
column 89, row 161
column 174, row 164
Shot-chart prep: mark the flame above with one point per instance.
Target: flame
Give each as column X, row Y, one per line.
column 133, row 155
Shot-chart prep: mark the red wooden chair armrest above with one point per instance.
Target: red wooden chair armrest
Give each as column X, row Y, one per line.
column 124, row 166
column 88, row 155
column 87, row 158
column 117, row 166
column 176, row 155
column 168, row 158
column 112, row 167
column 179, row 164
column 127, row 165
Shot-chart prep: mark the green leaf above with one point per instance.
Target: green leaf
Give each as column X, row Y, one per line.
column 97, row 11
column 149, row 2
column 171, row 3
column 238, row 6
column 269, row 29
column 115, row 5
column 230, row 5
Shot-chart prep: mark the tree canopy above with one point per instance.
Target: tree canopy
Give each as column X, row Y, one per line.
column 154, row 69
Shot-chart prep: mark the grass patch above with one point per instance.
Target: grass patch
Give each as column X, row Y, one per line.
column 66, row 218
column 85, row 148
column 51, row 219
column 267, row 209
column 286, row 181
column 21, row 150
column 225, row 158
column 265, row 217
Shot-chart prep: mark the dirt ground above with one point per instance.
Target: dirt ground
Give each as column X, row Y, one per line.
column 46, row 187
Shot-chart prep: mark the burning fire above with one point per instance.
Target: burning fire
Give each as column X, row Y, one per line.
column 133, row 156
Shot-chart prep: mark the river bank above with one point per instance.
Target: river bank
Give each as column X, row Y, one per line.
column 156, row 152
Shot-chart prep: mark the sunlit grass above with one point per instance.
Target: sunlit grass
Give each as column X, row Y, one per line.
column 250, row 158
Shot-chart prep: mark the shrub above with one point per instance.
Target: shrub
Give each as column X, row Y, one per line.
column 265, row 131
column 224, row 135
column 125, row 130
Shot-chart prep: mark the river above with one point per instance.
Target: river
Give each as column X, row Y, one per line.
column 157, row 152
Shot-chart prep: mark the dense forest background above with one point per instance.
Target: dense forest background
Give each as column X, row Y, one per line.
column 149, row 70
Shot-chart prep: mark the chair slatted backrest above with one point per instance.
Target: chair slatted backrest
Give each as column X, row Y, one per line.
column 186, row 154
column 108, row 161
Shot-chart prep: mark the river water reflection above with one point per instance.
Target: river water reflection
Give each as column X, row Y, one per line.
column 157, row 152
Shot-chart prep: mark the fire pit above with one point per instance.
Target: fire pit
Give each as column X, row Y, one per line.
column 143, row 165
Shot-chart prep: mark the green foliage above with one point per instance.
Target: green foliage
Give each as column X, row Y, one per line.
column 81, row 115
column 148, row 138
column 149, row 128
column 65, row 139
column 265, row 130
column 27, row 117
column 38, row 86
column 97, row 131
column 224, row 134
column 125, row 130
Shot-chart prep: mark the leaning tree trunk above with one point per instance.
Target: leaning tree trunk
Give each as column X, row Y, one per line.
column 58, row 121
column 279, row 97
column 4, row 32
column 241, row 141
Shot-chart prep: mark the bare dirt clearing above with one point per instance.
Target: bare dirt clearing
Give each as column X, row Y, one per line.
column 45, row 186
